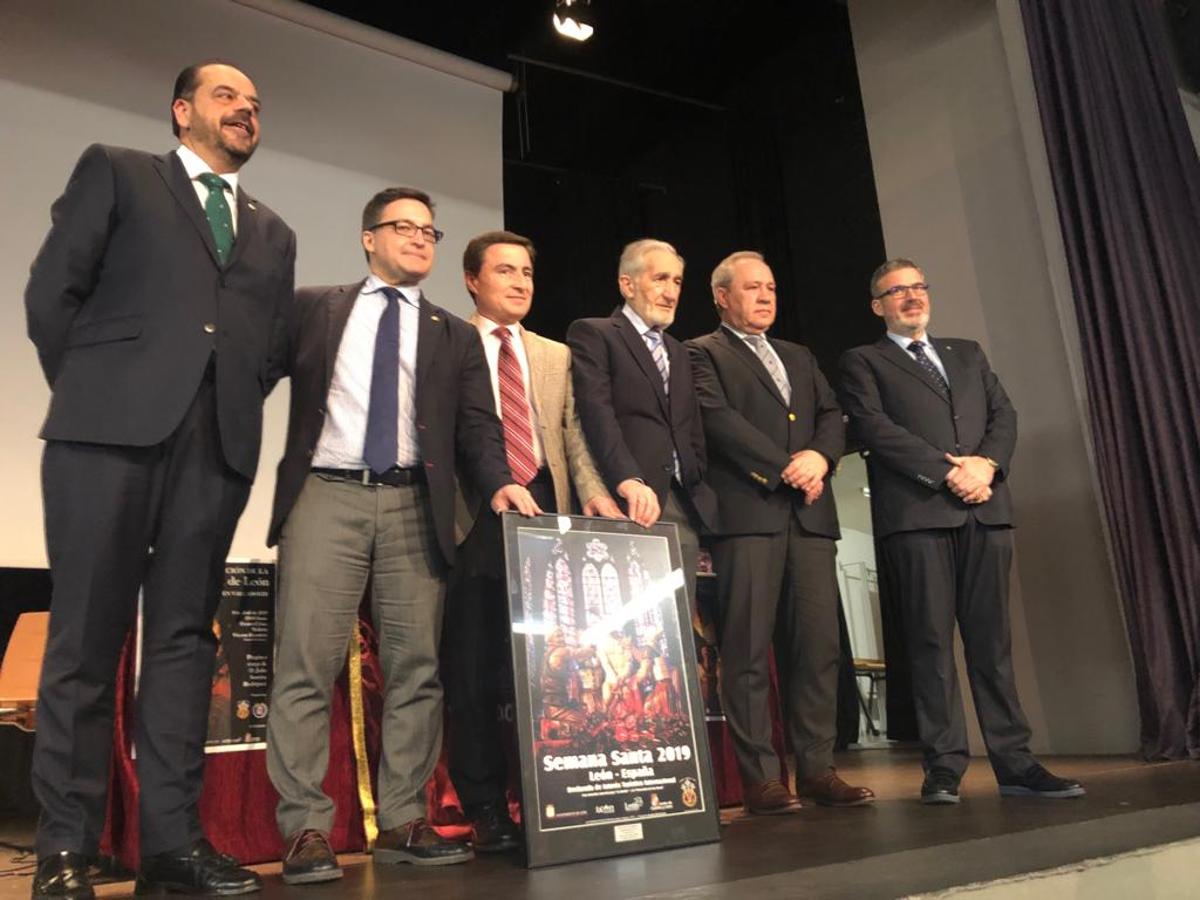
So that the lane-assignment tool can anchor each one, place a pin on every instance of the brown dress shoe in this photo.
(418, 844)
(830, 790)
(770, 798)
(310, 859)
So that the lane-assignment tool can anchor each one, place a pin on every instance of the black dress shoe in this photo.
(493, 830)
(1037, 782)
(64, 875)
(418, 844)
(940, 787)
(196, 869)
(310, 859)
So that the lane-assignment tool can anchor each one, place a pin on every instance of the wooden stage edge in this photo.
(891, 849)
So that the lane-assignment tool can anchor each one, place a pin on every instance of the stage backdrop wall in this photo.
(960, 168)
(339, 120)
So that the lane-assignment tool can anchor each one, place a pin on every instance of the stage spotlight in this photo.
(573, 19)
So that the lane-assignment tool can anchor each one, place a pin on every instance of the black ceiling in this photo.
(695, 49)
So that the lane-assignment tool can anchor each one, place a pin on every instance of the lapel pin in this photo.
(435, 319)
(250, 204)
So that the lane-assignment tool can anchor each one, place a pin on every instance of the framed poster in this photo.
(610, 719)
(244, 626)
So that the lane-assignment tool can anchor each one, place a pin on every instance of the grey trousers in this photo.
(677, 509)
(779, 588)
(340, 536)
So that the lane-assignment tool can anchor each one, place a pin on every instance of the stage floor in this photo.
(893, 848)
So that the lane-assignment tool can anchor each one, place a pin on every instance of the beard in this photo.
(209, 135)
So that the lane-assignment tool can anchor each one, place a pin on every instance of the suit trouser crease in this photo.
(961, 574)
(106, 506)
(779, 590)
(339, 538)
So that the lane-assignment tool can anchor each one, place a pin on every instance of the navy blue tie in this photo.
(917, 349)
(379, 450)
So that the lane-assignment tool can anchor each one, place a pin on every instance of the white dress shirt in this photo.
(195, 167)
(902, 342)
(345, 431)
(491, 349)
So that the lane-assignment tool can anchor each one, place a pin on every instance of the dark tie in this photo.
(216, 210)
(917, 349)
(379, 449)
(514, 412)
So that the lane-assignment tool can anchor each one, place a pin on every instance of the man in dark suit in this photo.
(535, 400)
(156, 304)
(637, 402)
(388, 393)
(775, 435)
(939, 432)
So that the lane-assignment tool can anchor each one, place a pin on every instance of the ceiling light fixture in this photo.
(573, 19)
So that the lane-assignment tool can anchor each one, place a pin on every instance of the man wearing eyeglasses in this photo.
(940, 433)
(388, 393)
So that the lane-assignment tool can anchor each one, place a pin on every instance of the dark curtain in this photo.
(1127, 183)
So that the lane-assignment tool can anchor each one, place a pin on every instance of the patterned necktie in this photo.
(917, 349)
(383, 410)
(759, 344)
(654, 340)
(514, 412)
(216, 210)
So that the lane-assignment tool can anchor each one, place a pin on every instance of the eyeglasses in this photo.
(408, 229)
(901, 289)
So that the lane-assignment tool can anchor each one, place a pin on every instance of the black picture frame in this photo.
(610, 719)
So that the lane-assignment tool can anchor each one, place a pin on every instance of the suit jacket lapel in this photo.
(429, 328)
(641, 353)
(337, 311)
(902, 358)
(247, 220)
(170, 167)
(536, 371)
(956, 372)
(750, 359)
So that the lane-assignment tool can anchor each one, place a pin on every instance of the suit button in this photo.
(956, 417)
(321, 412)
(209, 327)
(310, 453)
(668, 468)
(958, 446)
(791, 417)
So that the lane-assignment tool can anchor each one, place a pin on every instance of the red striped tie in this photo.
(514, 413)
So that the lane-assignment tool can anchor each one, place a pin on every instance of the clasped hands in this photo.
(970, 479)
(806, 473)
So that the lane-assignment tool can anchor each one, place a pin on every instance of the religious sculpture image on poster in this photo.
(610, 718)
(244, 630)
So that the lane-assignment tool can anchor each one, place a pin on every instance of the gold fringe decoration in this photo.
(358, 730)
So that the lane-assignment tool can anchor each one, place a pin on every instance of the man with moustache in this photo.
(534, 398)
(940, 432)
(775, 435)
(637, 402)
(388, 392)
(156, 304)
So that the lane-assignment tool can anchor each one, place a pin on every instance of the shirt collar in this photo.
(411, 295)
(741, 334)
(486, 326)
(902, 341)
(638, 322)
(195, 167)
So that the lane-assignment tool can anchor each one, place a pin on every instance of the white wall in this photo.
(964, 189)
(339, 122)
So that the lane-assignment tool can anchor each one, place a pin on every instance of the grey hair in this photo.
(633, 257)
(891, 266)
(722, 276)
